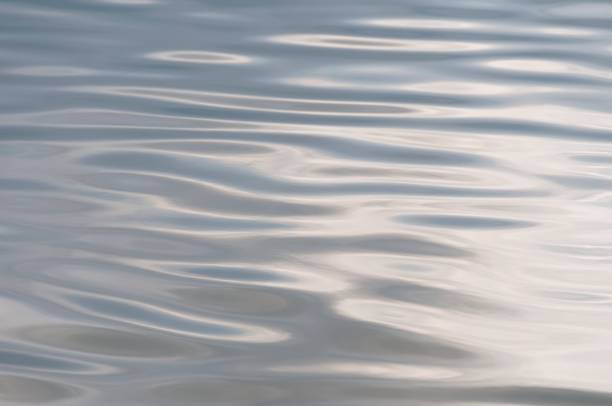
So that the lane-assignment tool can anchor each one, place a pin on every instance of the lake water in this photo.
(306, 203)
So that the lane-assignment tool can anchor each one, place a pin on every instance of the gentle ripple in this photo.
(401, 202)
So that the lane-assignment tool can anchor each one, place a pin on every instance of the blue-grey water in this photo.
(306, 203)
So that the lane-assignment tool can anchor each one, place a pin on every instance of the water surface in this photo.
(347, 203)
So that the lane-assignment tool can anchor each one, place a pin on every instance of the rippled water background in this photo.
(234, 202)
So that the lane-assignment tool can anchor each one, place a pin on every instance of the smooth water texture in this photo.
(306, 203)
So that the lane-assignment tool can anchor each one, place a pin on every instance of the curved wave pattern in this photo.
(248, 203)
